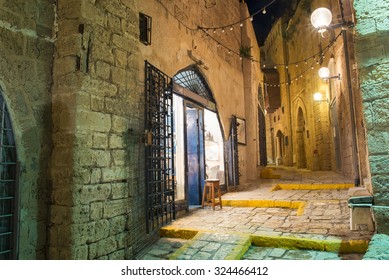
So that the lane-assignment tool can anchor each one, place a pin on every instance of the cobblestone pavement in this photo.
(326, 215)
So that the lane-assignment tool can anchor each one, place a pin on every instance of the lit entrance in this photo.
(199, 144)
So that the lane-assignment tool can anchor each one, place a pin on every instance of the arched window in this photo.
(8, 191)
(190, 79)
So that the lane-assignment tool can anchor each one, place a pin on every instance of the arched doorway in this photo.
(8, 186)
(300, 135)
(198, 152)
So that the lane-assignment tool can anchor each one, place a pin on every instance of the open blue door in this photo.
(195, 154)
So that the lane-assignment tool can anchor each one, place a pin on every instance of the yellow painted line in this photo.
(333, 244)
(311, 187)
(299, 205)
(172, 232)
(328, 245)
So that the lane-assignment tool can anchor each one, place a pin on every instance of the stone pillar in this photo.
(373, 61)
(97, 123)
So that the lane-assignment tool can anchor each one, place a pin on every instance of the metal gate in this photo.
(8, 187)
(160, 176)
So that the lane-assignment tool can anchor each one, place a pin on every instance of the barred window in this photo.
(145, 29)
(8, 193)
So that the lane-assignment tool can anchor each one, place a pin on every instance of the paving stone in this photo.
(277, 253)
(198, 244)
(211, 247)
(202, 256)
(300, 255)
(257, 253)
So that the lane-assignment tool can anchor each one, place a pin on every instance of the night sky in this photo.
(263, 22)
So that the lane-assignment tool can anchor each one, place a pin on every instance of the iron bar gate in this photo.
(8, 187)
(160, 176)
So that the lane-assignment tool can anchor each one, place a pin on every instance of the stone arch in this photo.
(29, 108)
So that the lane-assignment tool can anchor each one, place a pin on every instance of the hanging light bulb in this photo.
(264, 11)
(223, 30)
(251, 18)
(231, 28)
(214, 31)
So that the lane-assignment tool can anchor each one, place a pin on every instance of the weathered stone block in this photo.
(96, 211)
(123, 239)
(80, 214)
(120, 190)
(379, 143)
(91, 193)
(381, 217)
(97, 103)
(119, 124)
(117, 224)
(70, 45)
(13, 42)
(83, 140)
(377, 249)
(122, 42)
(103, 70)
(69, 9)
(118, 255)
(119, 76)
(102, 51)
(116, 142)
(100, 140)
(62, 157)
(106, 246)
(120, 58)
(95, 176)
(60, 214)
(81, 176)
(93, 121)
(95, 158)
(82, 233)
(119, 157)
(114, 23)
(99, 88)
(92, 14)
(116, 208)
(102, 229)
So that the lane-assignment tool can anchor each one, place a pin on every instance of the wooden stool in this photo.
(211, 185)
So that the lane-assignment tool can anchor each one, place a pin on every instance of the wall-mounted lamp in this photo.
(321, 19)
(324, 73)
(318, 97)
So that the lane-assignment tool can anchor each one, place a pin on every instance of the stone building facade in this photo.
(317, 135)
(372, 54)
(72, 76)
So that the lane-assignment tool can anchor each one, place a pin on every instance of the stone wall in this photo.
(177, 43)
(26, 49)
(373, 62)
(97, 209)
(319, 118)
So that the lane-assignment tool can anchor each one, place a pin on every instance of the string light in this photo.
(264, 11)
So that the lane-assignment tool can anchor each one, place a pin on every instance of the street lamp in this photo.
(321, 19)
(324, 73)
